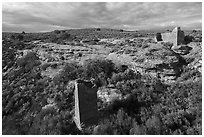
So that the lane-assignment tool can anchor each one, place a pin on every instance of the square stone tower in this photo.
(176, 36)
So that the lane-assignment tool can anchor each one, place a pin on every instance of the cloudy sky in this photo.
(35, 17)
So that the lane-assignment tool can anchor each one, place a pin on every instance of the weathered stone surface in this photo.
(85, 104)
(195, 55)
(160, 61)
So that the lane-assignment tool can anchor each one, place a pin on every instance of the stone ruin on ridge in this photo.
(176, 36)
(86, 110)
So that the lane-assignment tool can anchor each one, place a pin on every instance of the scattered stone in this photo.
(181, 49)
(108, 95)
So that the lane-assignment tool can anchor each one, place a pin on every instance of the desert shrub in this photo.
(188, 39)
(101, 79)
(120, 67)
(95, 66)
(137, 129)
(156, 117)
(20, 106)
(117, 124)
(70, 71)
(189, 74)
(28, 61)
(126, 86)
(153, 125)
(51, 122)
(8, 56)
(123, 76)
(25, 107)
(182, 107)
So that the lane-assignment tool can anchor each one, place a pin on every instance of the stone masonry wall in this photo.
(85, 104)
(176, 36)
(170, 37)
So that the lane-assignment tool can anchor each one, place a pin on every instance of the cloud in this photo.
(35, 17)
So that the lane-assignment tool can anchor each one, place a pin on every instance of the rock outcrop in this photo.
(194, 57)
(160, 61)
(181, 49)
